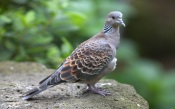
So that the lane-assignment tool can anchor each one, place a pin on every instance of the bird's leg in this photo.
(100, 91)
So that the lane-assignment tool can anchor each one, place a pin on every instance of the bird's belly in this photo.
(112, 64)
(111, 67)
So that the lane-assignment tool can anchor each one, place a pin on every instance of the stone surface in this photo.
(17, 78)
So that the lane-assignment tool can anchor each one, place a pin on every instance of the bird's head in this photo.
(115, 18)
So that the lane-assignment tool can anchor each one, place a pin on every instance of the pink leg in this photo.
(100, 91)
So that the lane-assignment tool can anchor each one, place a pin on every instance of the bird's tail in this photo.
(48, 82)
(32, 92)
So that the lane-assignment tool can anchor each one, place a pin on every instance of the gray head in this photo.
(115, 18)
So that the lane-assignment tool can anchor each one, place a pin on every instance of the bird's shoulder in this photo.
(96, 43)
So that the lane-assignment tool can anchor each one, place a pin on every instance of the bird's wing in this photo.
(87, 61)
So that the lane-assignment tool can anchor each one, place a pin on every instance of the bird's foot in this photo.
(100, 91)
(96, 90)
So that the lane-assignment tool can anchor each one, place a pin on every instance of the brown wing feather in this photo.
(87, 61)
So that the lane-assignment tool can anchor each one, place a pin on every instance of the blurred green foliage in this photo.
(148, 77)
(29, 30)
(47, 31)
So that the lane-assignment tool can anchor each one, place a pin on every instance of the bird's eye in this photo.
(113, 17)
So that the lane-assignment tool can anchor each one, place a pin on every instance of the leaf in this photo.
(76, 18)
(53, 55)
(5, 19)
(66, 48)
(53, 52)
(30, 17)
(39, 39)
(36, 49)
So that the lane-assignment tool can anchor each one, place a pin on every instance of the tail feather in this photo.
(50, 81)
(32, 92)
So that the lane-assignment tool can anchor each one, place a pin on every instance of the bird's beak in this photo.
(120, 21)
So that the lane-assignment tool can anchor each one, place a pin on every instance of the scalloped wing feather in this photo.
(87, 61)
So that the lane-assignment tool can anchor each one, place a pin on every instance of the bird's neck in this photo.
(107, 29)
(112, 34)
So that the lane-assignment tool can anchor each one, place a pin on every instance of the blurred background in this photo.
(47, 31)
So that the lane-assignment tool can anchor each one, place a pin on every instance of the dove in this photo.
(89, 62)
